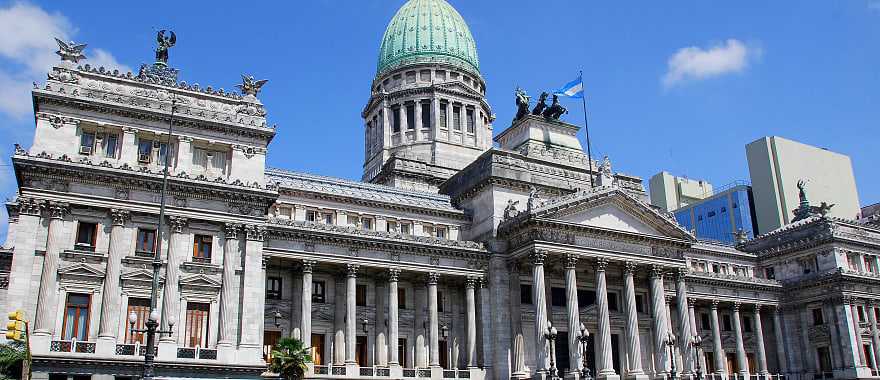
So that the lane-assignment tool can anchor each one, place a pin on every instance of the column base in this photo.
(352, 369)
(608, 376)
(105, 346)
(167, 350)
(436, 372)
(636, 376)
(573, 375)
(40, 343)
(225, 353)
(395, 371)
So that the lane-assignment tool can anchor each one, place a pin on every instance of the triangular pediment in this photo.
(199, 281)
(81, 270)
(458, 86)
(138, 275)
(611, 209)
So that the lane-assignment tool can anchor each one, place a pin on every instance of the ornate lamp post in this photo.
(151, 330)
(583, 340)
(278, 317)
(697, 344)
(670, 341)
(551, 336)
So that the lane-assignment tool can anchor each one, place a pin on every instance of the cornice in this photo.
(733, 281)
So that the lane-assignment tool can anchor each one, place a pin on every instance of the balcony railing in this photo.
(134, 349)
(72, 346)
(196, 353)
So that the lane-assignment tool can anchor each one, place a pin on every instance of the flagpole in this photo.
(587, 131)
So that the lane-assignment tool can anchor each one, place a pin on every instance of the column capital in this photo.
(736, 306)
(692, 302)
(848, 300)
(119, 216)
(255, 232)
(432, 278)
(177, 223)
(668, 299)
(29, 206)
(777, 309)
(470, 283)
(629, 267)
(57, 210)
(308, 266)
(757, 309)
(681, 273)
(571, 261)
(715, 304)
(393, 275)
(352, 270)
(657, 271)
(130, 130)
(538, 256)
(601, 264)
(231, 230)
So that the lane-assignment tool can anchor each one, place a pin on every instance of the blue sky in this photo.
(677, 86)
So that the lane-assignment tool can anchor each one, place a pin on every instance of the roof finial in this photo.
(70, 51)
(249, 86)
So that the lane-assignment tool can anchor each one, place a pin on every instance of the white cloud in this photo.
(27, 52)
(695, 63)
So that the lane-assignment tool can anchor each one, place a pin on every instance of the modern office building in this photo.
(382, 279)
(722, 215)
(776, 165)
(670, 193)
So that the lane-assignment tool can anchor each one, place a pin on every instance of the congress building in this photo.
(472, 248)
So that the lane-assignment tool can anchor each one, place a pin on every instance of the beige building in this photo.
(777, 164)
(671, 193)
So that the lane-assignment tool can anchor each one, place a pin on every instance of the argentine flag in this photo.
(573, 89)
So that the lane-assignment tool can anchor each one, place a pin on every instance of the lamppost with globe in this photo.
(551, 336)
(583, 339)
(152, 323)
(697, 344)
(670, 341)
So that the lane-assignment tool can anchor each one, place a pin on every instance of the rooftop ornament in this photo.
(164, 43)
(70, 51)
(159, 72)
(249, 86)
(805, 210)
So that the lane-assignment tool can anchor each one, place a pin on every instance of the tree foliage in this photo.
(289, 359)
(12, 355)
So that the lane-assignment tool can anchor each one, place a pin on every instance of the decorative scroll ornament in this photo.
(70, 51)
(249, 86)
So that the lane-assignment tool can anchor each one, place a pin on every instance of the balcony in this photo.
(196, 353)
(134, 349)
(338, 371)
(72, 346)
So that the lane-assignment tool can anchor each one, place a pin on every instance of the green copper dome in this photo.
(428, 31)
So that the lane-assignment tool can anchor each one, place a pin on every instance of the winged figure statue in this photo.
(70, 51)
(250, 86)
(165, 42)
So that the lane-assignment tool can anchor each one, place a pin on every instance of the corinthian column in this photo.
(875, 333)
(539, 300)
(759, 342)
(571, 306)
(306, 303)
(350, 313)
(604, 363)
(780, 341)
(228, 297)
(433, 320)
(171, 293)
(634, 346)
(518, 354)
(658, 308)
(684, 339)
(741, 361)
(46, 303)
(110, 301)
(470, 299)
(717, 349)
(393, 334)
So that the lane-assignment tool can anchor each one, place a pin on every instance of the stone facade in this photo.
(383, 280)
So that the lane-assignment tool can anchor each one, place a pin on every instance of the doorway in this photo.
(562, 362)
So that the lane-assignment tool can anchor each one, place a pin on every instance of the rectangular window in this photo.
(401, 352)
(360, 295)
(586, 298)
(391, 227)
(273, 288)
(145, 151)
(405, 228)
(426, 115)
(86, 142)
(146, 242)
(411, 116)
(440, 232)
(747, 323)
(861, 313)
(525, 294)
(367, 223)
(640, 303)
(110, 143)
(318, 349)
(471, 121)
(196, 332)
(86, 234)
(425, 75)
(76, 317)
(726, 325)
(441, 74)
(202, 249)
(328, 218)
(311, 215)
(401, 298)
(705, 322)
(440, 301)
(770, 273)
(612, 301)
(411, 77)
(456, 118)
(319, 289)
(443, 116)
(395, 121)
(141, 308)
(557, 296)
(818, 318)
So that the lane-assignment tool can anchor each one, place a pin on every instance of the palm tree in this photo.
(289, 359)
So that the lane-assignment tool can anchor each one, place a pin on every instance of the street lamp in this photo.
(365, 322)
(551, 336)
(697, 344)
(152, 324)
(670, 341)
(444, 331)
(278, 317)
(583, 340)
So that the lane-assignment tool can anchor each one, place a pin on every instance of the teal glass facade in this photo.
(720, 216)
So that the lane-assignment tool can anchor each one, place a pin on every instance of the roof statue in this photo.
(249, 86)
(70, 51)
(164, 43)
(533, 199)
(606, 176)
(556, 110)
(740, 236)
(805, 210)
(542, 104)
(522, 104)
(510, 211)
